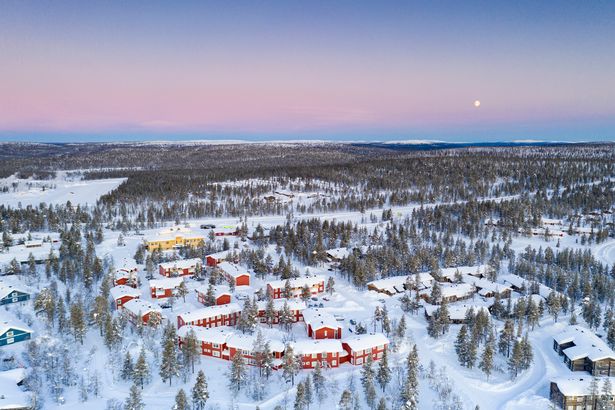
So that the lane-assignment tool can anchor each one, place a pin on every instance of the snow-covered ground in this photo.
(58, 190)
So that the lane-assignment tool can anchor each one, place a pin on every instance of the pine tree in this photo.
(515, 359)
(330, 287)
(140, 372)
(127, 368)
(382, 404)
(345, 402)
(486, 362)
(190, 350)
(270, 312)
(306, 293)
(182, 291)
(506, 338)
(77, 320)
(200, 393)
(169, 366)
(309, 394)
(367, 374)
(300, 403)
(384, 372)
(444, 317)
(134, 401)
(461, 345)
(290, 367)
(472, 351)
(606, 394)
(237, 373)
(409, 394)
(181, 401)
(319, 382)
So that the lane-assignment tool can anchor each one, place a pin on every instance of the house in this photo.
(126, 277)
(164, 288)
(521, 285)
(316, 284)
(174, 238)
(227, 230)
(11, 294)
(244, 344)
(212, 340)
(11, 333)
(399, 284)
(328, 352)
(234, 273)
(450, 274)
(584, 351)
(359, 347)
(573, 393)
(12, 397)
(215, 258)
(122, 294)
(456, 312)
(295, 306)
(211, 316)
(321, 325)
(34, 243)
(184, 267)
(221, 294)
(139, 309)
(486, 288)
(451, 292)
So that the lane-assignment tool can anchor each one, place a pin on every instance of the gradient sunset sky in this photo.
(343, 70)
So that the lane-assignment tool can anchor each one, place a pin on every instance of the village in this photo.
(306, 319)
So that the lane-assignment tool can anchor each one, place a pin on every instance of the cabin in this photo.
(360, 347)
(164, 288)
(582, 350)
(228, 230)
(521, 285)
(12, 396)
(211, 316)
(316, 284)
(451, 292)
(394, 285)
(321, 325)
(488, 289)
(126, 278)
(174, 239)
(11, 333)
(215, 258)
(244, 344)
(221, 294)
(212, 340)
(457, 313)
(234, 273)
(295, 306)
(327, 352)
(10, 294)
(573, 393)
(450, 274)
(184, 267)
(34, 243)
(122, 294)
(146, 312)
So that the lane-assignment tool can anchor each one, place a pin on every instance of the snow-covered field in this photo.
(55, 191)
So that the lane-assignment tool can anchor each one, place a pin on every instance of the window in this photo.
(9, 341)
(215, 345)
(334, 363)
(216, 353)
(360, 361)
(9, 333)
(314, 355)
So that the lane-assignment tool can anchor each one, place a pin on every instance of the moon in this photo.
(477, 103)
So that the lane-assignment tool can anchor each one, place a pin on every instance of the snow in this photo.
(457, 311)
(318, 319)
(396, 284)
(580, 386)
(165, 283)
(11, 396)
(181, 264)
(120, 291)
(298, 283)
(209, 312)
(586, 344)
(232, 270)
(141, 307)
(305, 347)
(366, 341)
(216, 335)
(56, 191)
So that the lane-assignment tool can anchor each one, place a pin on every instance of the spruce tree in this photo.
(134, 400)
(200, 394)
(181, 401)
(169, 366)
(409, 393)
(237, 372)
(140, 372)
(300, 402)
(127, 367)
(383, 376)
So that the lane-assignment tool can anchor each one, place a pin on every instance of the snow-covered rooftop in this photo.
(366, 341)
(457, 311)
(319, 319)
(298, 282)
(309, 346)
(580, 386)
(11, 396)
(586, 344)
(246, 342)
(165, 283)
(181, 264)
(395, 284)
(123, 290)
(278, 304)
(210, 311)
(233, 270)
(140, 306)
(6, 289)
(217, 335)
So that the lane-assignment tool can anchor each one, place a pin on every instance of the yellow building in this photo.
(174, 240)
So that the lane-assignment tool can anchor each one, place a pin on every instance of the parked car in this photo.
(326, 299)
(208, 226)
(315, 299)
(353, 322)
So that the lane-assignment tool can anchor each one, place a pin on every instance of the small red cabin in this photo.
(164, 288)
(321, 325)
(185, 267)
(122, 294)
(360, 347)
(234, 273)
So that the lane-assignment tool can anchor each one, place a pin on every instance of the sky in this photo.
(288, 70)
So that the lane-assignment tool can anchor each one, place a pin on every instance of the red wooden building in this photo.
(244, 344)
(122, 294)
(215, 258)
(212, 340)
(295, 306)
(184, 267)
(321, 325)
(359, 347)
(126, 277)
(329, 353)
(234, 273)
(212, 316)
(316, 284)
(164, 288)
(147, 312)
(221, 294)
